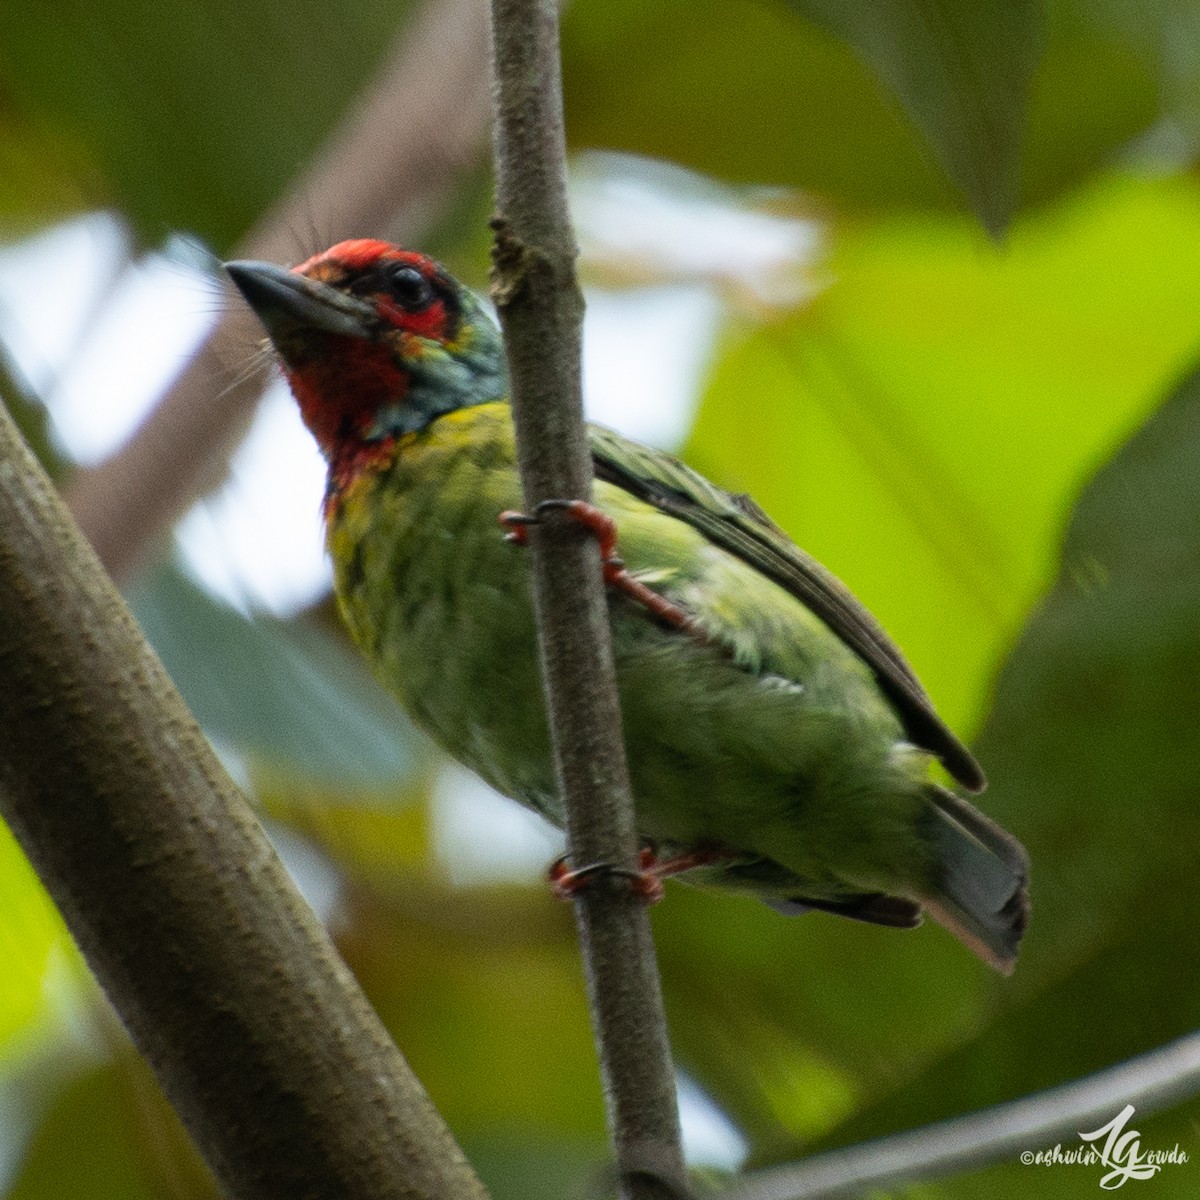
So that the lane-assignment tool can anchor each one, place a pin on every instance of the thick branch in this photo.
(1151, 1081)
(228, 984)
(541, 309)
(417, 127)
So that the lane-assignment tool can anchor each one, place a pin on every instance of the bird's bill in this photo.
(287, 303)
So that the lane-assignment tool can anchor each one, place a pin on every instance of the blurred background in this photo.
(928, 289)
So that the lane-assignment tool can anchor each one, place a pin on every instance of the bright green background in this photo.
(995, 442)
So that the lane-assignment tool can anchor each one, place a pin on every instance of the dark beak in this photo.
(289, 304)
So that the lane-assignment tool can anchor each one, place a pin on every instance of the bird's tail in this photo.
(980, 895)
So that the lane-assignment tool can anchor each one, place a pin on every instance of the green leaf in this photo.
(1165, 35)
(109, 1133)
(793, 1025)
(951, 402)
(540, 1168)
(31, 936)
(750, 95)
(962, 70)
(923, 427)
(288, 697)
(161, 132)
(1092, 751)
(1093, 98)
(40, 170)
(482, 990)
(755, 95)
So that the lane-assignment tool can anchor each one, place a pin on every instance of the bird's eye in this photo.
(410, 288)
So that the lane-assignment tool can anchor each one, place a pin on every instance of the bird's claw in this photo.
(587, 515)
(567, 882)
(604, 528)
(646, 881)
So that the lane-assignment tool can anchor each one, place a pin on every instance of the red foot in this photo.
(615, 575)
(645, 882)
(566, 883)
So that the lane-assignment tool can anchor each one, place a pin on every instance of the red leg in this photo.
(667, 867)
(615, 575)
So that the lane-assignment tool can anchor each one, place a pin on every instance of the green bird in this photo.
(778, 742)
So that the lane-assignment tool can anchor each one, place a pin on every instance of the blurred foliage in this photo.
(757, 95)
(185, 115)
(969, 92)
(278, 693)
(971, 432)
(950, 397)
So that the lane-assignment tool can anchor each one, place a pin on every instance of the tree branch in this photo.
(541, 310)
(402, 145)
(229, 986)
(1151, 1081)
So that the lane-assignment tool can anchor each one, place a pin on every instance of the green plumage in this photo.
(793, 734)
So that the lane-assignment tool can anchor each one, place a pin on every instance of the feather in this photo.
(739, 526)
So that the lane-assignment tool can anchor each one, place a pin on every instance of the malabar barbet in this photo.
(778, 742)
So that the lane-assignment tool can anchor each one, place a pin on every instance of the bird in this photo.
(778, 742)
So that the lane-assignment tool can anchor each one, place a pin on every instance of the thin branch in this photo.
(403, 145)
(226, 981)
(1151, 1081)
(541, 310)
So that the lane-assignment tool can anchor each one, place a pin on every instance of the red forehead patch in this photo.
(357, 253)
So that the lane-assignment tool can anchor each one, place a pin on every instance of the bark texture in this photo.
(541, 310)
(228, 984)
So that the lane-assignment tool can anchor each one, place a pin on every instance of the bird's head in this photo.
(375, 341)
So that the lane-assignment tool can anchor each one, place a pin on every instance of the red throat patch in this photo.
(341, 389)
(342, 383)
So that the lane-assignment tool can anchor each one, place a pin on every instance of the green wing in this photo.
(738, 525)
